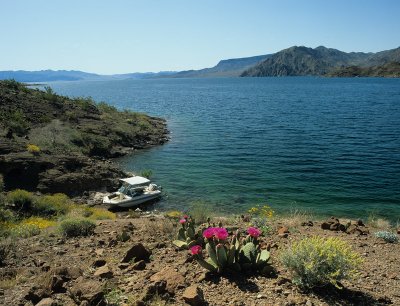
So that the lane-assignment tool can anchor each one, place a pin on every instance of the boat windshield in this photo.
(124, 189)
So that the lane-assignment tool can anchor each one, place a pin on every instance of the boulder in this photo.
(89, 292)
(140, 265)
(193, 295)
(137, 252)
(104, 272)
(155, 289)
(283, 230)
(47, 302)
(171, 277)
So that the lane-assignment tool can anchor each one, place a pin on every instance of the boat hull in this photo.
(134, 201)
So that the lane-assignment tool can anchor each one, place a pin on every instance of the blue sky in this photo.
(123, 36)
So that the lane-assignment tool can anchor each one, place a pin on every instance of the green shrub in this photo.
(318, 261)
(387, 236)
(77, 227)
(5, 214)
(21, 199)
(16, 122)
(147, 173)
(51, 205)
(23, 230)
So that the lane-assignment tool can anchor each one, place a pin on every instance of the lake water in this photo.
(330, 146)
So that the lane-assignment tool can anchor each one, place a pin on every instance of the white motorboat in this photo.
(135, 190)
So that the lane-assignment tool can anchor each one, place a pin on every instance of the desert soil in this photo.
(96, 270)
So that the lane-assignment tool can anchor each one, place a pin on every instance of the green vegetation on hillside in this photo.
(55, 144)
(390, 70)
(56, 123)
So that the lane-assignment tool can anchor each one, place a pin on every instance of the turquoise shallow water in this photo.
(331, 146)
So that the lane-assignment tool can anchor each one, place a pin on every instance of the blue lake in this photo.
(326, 145)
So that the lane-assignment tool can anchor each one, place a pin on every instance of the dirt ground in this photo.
(98, 270)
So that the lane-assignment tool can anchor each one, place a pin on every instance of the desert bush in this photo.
(1, 183)
(55, 136)
(173, 214)
(375, 221)
(147, 173)
(5, 214)
(106, 108)
(21, 199)
(51, 205)
(93, 145)
(318, 261)
(15, 121)
(23, 230)
(387, 236)
(261, 216)
(38, 222)
(34, 149)
(77, 227)
(200, 211)
(100, 214)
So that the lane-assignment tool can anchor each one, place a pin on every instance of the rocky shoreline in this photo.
(50, 143)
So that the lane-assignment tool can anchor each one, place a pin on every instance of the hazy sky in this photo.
(123, 36)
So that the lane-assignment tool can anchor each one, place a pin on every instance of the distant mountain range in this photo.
(74, 75)
(302, 61)
(294, 61)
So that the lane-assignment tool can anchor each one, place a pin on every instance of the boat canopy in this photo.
(136, 180)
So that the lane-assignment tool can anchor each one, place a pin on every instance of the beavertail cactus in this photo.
(234, 254)
(187, 237)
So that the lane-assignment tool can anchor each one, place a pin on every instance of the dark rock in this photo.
(193, 295)
(325, 225)
(137, 252)
(360, 222)
(308, 223)
(158, 288)
(104, 272)
(99, 263)
(140, 265)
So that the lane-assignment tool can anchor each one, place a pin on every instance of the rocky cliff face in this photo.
(55, 144)
(302, 61)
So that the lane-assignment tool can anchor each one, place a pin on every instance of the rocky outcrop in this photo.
(69, 174)
(352, 227)
(50, 143)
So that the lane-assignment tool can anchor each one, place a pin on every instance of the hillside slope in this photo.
(303, 61)
(225, 68)
(71, 138)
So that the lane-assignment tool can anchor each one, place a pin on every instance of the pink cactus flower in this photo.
(182, 221)
(195, 250)
(209, 232)
(185, 217)
(221, 233)
(253, 232)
